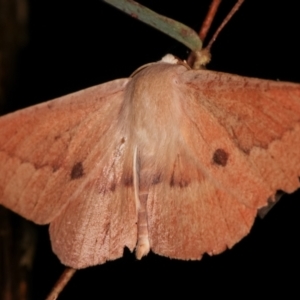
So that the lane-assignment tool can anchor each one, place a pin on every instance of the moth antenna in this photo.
(61, 283)
(143, 244)
(209, 19)
(225, 21)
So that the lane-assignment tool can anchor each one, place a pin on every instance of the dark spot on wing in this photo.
(55, 168)
(77, 171)
(181, 182)
(178, 177)
(156, 179)
(220, 157)
(122, 140)
(113, 186)
(128, 180)
(172, 181)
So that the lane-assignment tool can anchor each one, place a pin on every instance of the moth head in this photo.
(168, 58)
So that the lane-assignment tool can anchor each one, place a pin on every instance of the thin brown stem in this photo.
(61, 283)
(209, 19)
(228, 17)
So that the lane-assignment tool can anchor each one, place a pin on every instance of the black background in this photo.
(77, 44)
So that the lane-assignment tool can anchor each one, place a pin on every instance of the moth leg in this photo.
(143, 244)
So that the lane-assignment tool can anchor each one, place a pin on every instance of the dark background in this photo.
(77, 44)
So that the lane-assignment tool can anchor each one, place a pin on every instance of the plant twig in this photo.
(225, 21)
(209, 19)
(61, 283)
(199, 59)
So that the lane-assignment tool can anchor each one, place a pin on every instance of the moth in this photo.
(78, 172)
